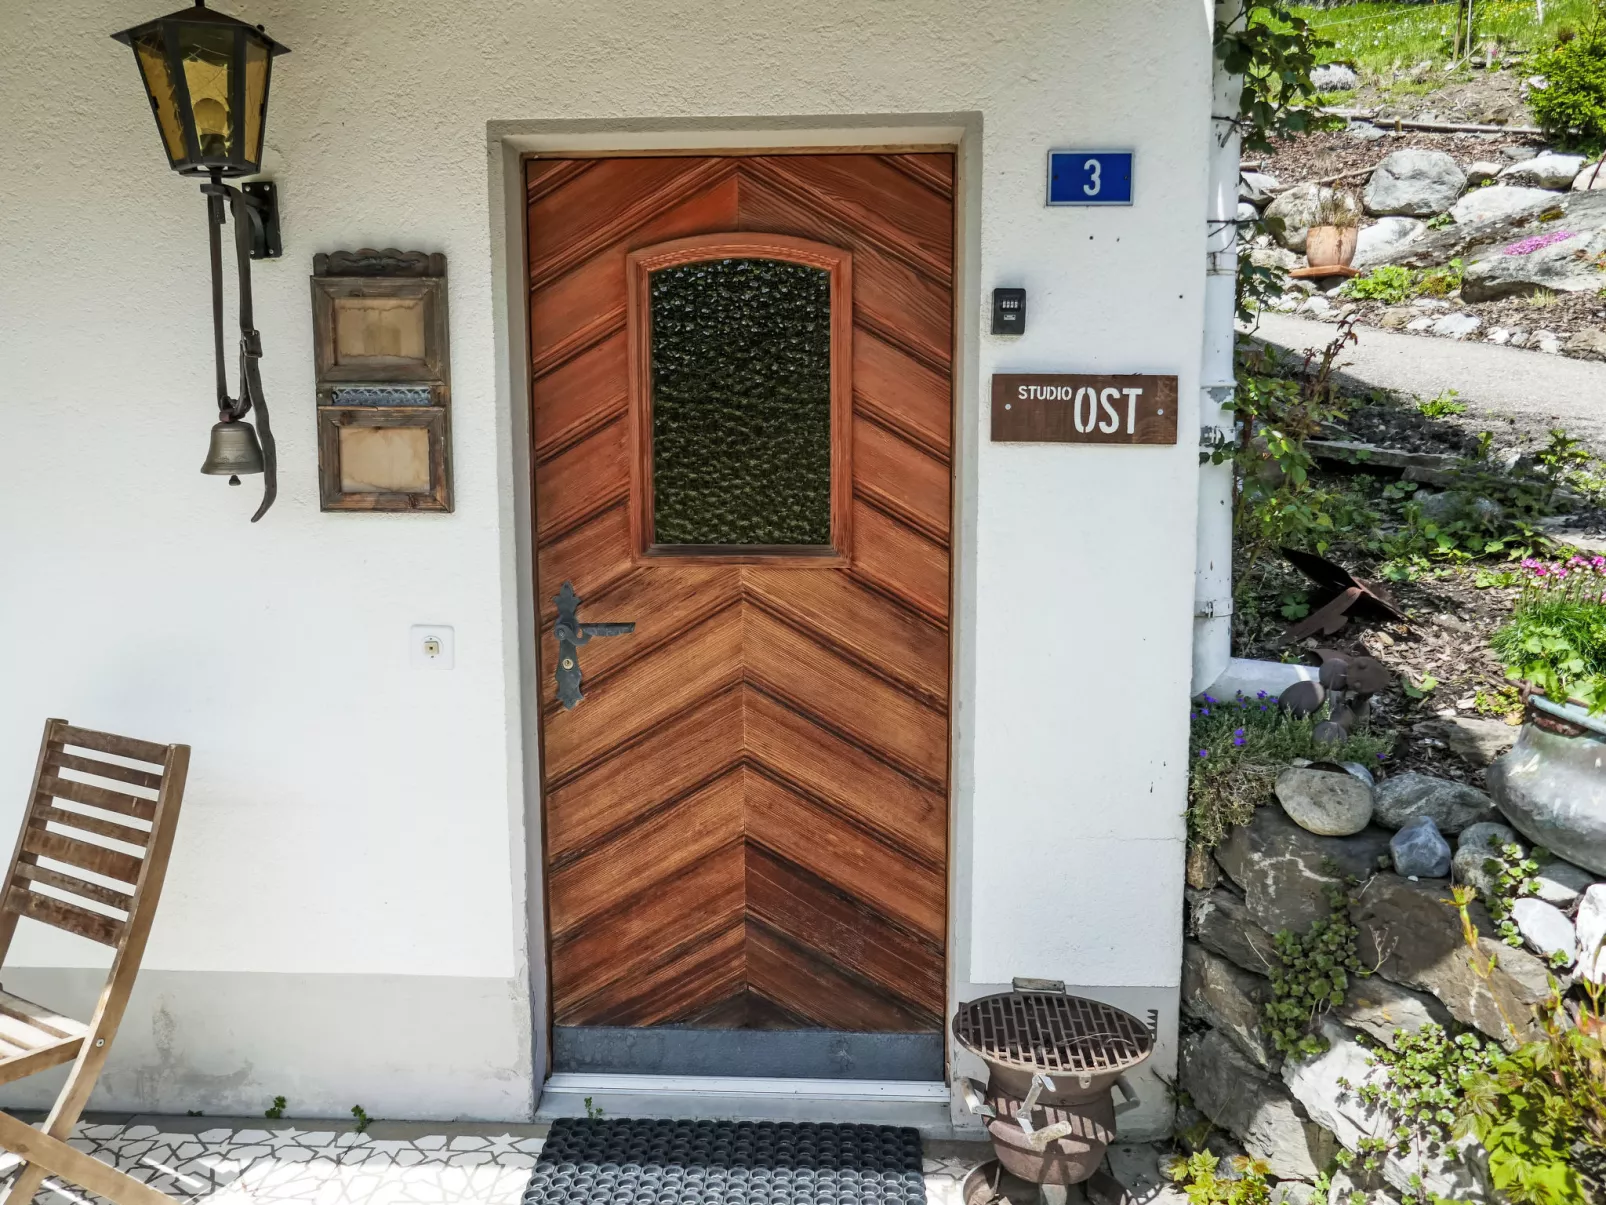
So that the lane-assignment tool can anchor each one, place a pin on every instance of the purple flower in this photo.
(1204, 711)
(1207, 698)
(1260, 694)
(1539, 241)
(1379, 757)
(1204, 753)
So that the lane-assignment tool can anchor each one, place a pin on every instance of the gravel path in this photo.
(1530, 391)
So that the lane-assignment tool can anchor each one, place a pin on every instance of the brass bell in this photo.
(234, 450)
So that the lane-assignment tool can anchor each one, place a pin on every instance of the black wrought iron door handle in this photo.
(571, 634)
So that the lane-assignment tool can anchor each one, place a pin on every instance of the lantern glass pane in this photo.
(207, 55)
(153, 66)
(256, 92)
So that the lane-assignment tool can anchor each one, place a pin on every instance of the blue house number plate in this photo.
(1090, 177)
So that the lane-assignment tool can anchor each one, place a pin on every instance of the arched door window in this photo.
(741, 399)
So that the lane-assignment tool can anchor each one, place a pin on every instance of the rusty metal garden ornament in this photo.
(206, 78)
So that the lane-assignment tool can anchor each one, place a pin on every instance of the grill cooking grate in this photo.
(1051, 1032)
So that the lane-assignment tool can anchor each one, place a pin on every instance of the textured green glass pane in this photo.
(741, 403)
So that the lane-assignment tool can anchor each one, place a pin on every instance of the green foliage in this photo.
(1442, 406)
(1388, 283)
(1395, 284)
(363, 1121)
(1424, 1083)
(1571, 108)
(1238, 748)
(1311, 975)
(275, 1111)
(1199, 1175)
(1556, 637)
(1511, 874)
(594, 1112)
(1274, 52)
(1540, 1113)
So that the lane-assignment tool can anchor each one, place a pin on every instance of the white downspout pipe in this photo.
(1212, 593)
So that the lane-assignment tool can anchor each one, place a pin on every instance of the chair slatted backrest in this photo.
(93, 848)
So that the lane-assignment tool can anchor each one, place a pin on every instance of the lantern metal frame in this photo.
(195, 161)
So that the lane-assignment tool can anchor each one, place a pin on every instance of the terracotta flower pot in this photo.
(1331, 246)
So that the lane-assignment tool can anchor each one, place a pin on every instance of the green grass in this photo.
(1382, 38)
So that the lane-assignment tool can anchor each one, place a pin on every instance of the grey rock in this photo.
(1256, 188)
(1457, 326)
(1288, 875)
(1591, 929)
(1501, 201)
(1562, 883)
(1471, 738)
(1365, 131)
(1335, 77)
(1451, 805)
(1482, 172)
(1516, 154)
(1220, 922)
(1315, 1084)
(1229, 1000)
(1553, 791)
(1586, 345)
(1415, 183)
(1302, 207)
(1325, 803)
(1347, 1187)
(1412, 934)
(1547, 170)
(1382, 1009)
(1275, 257)
(1375, 243)
(1569, 265)
(1396, 317)
(1247, 212)
(1546, 929)
(1137, 1165)
(1255, 1108)
(1317, 307)
(1419, 851)
(1473, 852)
(1294, 1192)
(1593, 176)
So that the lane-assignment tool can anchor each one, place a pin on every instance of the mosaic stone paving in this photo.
(395, 1164)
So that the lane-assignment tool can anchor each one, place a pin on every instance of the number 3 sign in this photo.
(1090, 177)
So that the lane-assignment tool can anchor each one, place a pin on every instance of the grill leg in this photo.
(1053, 1194)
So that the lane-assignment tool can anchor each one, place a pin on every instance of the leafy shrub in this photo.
(1556, 637)
(1202, 1177)
(1388, 283)
(1571, 108)
(1311, 976)
(1424, 1085)
(1239, 747)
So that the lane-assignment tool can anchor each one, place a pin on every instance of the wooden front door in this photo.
(741, 422)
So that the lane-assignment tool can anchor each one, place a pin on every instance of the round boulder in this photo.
(1415, 183)
(1546, 170)
(1377, 242)
(1485, 204)
(1325, 802)
(1304, 206)
(1419, 851)
(1451, 805)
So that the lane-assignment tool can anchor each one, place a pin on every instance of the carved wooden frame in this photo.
(639, 267)
(436, 422)
(389, 273)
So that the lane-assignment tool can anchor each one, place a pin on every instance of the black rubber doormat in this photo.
(622, 1162)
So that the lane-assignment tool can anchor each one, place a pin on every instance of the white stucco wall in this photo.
(350, 866)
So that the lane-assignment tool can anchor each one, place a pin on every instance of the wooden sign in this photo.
(1073, 408)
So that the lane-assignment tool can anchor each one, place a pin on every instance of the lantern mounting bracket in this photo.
(263, 196)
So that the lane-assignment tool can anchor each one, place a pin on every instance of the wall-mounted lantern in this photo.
(206, 78)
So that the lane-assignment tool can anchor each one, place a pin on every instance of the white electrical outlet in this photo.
(433, 646)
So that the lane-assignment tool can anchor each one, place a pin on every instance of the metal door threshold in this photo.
(919, 1103)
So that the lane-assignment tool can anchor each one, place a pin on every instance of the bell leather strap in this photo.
(251, 395)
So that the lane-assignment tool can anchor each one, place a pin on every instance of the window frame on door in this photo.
(640, 265)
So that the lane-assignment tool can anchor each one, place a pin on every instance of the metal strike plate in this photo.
(570, 634)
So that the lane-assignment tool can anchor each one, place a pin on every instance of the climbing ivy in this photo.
(1511, 874)
(1311, 975)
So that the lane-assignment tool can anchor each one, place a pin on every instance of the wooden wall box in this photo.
(383, 378)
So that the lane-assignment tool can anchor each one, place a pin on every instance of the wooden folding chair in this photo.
(90, 860)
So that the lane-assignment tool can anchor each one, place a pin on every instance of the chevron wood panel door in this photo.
(746, 816)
